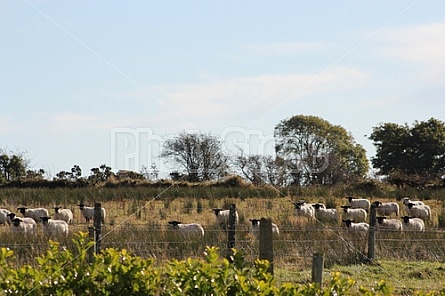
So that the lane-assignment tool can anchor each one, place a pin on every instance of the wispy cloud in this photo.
(420, 45)
(243, 95)
(284, 48)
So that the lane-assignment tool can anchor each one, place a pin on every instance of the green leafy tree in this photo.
(199, 155)
(410, 155)
(13, 167)
(100, 174)
(317, 152)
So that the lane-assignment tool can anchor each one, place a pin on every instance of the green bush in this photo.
(116, 272)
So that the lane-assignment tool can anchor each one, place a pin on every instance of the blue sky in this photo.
(104, 82)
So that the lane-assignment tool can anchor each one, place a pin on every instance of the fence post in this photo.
(266, 242)
(231, 231)
(91, 250)
(317, 268)
(97, 226)
(371, 233)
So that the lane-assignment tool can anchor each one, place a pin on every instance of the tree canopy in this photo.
(410, 155)
(317, 152)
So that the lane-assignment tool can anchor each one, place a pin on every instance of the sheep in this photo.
(412, 224)
(303, 209)
(357, 215)
(222, 216)
(4, 216)
(388, 224)
(63, 214)
(359, 203)
(356, 227)
(12, 216)
(386, 208)
(406, 201)
(33, 213)
(88, 213)
(23, 225)
(419, 211)
(54, 227)
(325, 214)
(189, 230)
(255, 227)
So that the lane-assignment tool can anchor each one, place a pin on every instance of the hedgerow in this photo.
(61, 271)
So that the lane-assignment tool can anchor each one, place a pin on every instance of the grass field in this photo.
(137, 220)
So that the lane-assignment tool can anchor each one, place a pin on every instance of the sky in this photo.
(107, 82)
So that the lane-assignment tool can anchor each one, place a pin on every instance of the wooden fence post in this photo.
(371, 233)
(231, 231)
(92, 250)
(97, 226)
(266, 242)
(317, 268)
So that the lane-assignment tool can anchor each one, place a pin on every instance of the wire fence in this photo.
(293, 248)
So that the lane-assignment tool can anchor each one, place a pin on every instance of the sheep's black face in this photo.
(16, 222)
(255, 222)
(44, 220)
(297, 206)
(174, 223)
(380, 220)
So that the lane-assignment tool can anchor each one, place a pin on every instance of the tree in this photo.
(12, 166)
(100, 174)
(317, 152)
(260, 169)
(410, 155)
(200, 155)
(75, 175)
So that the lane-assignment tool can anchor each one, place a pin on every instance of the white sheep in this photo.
(412, 224)
(54, 227)
(407, 201)
(222, 216)
(255, 227)
(323, 214)
(23, 225)
(188, 230)
(303, 209)
(419, 211)
(387, 208)
(356, 215)
(33, 213)
(4, 216)
(88, 213)
(388, 224)
(356, 227)
(63, 214)
(359, 203)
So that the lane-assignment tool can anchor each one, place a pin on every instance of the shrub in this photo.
(116, 272)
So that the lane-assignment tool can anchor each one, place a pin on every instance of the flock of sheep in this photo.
(221, 219)
(354, 215)
(58, 224)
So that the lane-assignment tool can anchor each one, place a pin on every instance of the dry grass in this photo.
(138, 222)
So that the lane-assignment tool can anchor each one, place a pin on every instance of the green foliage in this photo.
(412, 156)
(317, 152)
(116, 272)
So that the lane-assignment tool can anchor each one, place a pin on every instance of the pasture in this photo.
(137, 220)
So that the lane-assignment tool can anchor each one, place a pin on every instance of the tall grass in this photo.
(137, 220)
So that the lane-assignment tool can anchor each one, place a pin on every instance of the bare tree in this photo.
(200, 155)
